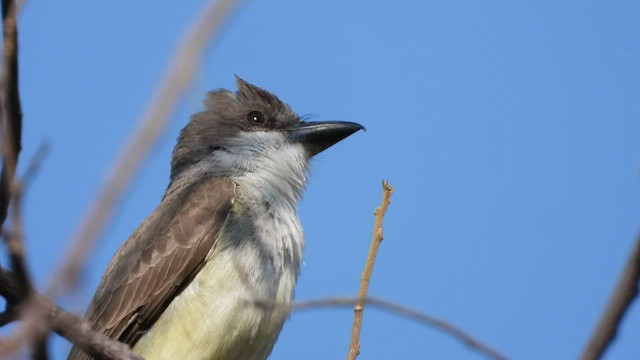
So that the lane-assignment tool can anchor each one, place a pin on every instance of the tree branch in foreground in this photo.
(422, 318)
(10, 189)
(354, 346)
(621, 299)
(11, 113)
(33, 329)
(73, 328)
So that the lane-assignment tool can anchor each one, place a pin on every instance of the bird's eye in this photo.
(256, 117)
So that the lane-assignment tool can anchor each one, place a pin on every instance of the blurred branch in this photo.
(14, 241)
(14, 238)
(176, 80)
(621, 299)
(11, 115)
(74, 328)
(18, 289)
(11, 111)
(420, 317)
(354, 346)
(33, 329)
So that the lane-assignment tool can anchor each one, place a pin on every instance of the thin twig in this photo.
(14, 238)
(177, 79)
(354, 346)
(619, 303)
(35, 163)
(73, 328)
(15, 243)
(420, 317)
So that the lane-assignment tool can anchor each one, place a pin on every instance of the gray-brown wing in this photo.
(158, 260)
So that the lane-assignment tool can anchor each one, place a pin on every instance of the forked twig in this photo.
(19, 305)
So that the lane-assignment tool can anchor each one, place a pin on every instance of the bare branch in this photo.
(177, 79)
(14, 238)
(621, 299)
(32, 329)
(80, 333)
(11, 111)
(15, 244)
(74, 328)
(354, 346)
(10, 289)
(420, 317)
(35, 330)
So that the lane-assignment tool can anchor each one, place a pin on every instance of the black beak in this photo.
(318, 136)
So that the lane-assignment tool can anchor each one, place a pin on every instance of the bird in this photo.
(211, 272)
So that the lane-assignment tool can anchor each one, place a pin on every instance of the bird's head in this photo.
(251, 131)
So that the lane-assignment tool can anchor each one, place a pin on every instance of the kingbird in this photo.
(209, 274)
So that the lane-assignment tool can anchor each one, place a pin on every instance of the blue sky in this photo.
(508, 128)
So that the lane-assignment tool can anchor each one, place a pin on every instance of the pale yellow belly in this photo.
(217, 317)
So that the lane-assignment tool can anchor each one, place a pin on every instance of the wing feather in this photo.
(158, 260)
